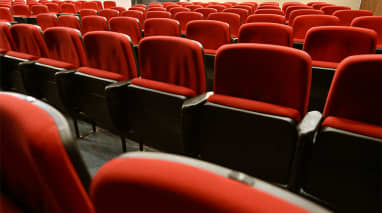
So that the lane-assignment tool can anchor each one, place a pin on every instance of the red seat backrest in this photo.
(127, 25)
(266, 33)
(28, 39)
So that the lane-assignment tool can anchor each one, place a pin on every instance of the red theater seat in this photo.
(68, 8)
(157, 9)
(161, 26)
(219, 8)
(141, 9)
(46, 20)
(269, 11)
(109, 4)
(110, 59)
(242, 12)
(172, 72)
(120, 9)
(127, 25)
(194, 7)
(266, 33)
(254, 109)
(6, 40)
(88, 12)
(346, 152)
(21, 10)
(94, 23)
(53, 8)
(91, 5)
(108, 13)
(328, 46)
(45, 152)
(296, 13)
(5, 14)
(158, 14)
(245, 7)
(230, 18)
(69, 21)
(176, 10)
(272, 18)
(205, 11)
(185, 17)
(37, 9)
(135, 14)
(370, 22)
(302, 24)
(293, 8)
(174, 183)
(329, 10)
(347, 16)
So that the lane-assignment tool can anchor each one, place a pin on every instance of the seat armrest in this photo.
(194, 102)
(309, 123)
(64, 84)
(118, 85)
(234, 40)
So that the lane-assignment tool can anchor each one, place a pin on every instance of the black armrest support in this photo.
(194, 102)
(234, 40)
(65, 87)
(306, 131)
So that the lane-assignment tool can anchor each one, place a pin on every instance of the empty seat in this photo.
(5, 14)
(170, 75)
(205, 11)
(296, 13)
(143, 10)
(88, 12)
(219, 8)
(273, 7)
(185, 17)
(120, 9)
(110, 59)
(158, 14)
(127, 25)
(370, 22)
(293, 8)
(65, 53)
(135, 14)
(109, 4)
(302, 24)
(253, 113)
(176, 10)
(266, 33)
(161, 26)
(91, 5)
(53, 7)
(108, 13)
(319, 6)
(29, 45)
(329, 10)
(347, 16)
(346, 152)
(69, 21)
(193, 186)
(99, 4)
(21, 10)
(6, 40)
(45, 152)
(269, 11)
(273, 18)
(230, 18)
(243, 13)
(194, 7)
(291, 4)
(157, 9)
(93, 23)
(328, 46)
(46, 20)
(37, 9)
(68, 8)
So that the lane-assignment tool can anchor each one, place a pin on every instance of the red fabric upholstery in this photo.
(37, 9)
(157, 9)
(334, 43)
(185, 17)
(273, 18)
(120, 9)
(274, 7)
(68, 8)
(370, 22)
(279, 75)
(7, 205)
(138, 9)
(6, 40)
(293, 8)
(176, 187)
(127, 25)
(245, 7)
(5, 14)
(219, 8)
(169, 7)
(319, 6)
(45, 179)
(165, 87)
(205, 11)
(176, 10)
(53, 7)
(108, 13)
(99, 4)
(135, 14)
(255, 106)
(266, 33)
(158, 14)
(28, 39)
(69, 21)
(211, 34)
(65, 45)
(291, 4)
(110, 51)
(94, 23)
(194, 7)
(243, 13)
(46, 20)
(230, 18)
(22, 55)
(102, 73)
(302, 24)
(161, 26)
(173, 60)
(21, 10)
(355, 92)
(269, 11)
(109, 4)
(56, 63)
(296, 13)
(329, 10)
(88, 12)
(91, 5)
(347, 16)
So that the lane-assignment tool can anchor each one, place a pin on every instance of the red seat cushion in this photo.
(102, 73)
(256, 106)
(353, 126)
(326, 64)
(165, 87)
(55, 63)
(22, 55)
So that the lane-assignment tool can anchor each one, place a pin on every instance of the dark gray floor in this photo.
(99, 147)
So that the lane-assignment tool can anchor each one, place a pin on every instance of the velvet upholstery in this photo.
(272, 18)
(93, 23)
(205, 11)
(243, 13)
(158, 14)
(370, 22)
(46, 20)
(266, 33)
(230, 18)
(21, 10)
(6, 40)
(88, 12)
(185, 17)
(69, 21)
(347, 16)
(161, 26)
(68, 8)
(127, 25)
(296, 13)
(28, 39)
(108, 13)
(135, 14)
(329, 10)
(302, 24)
